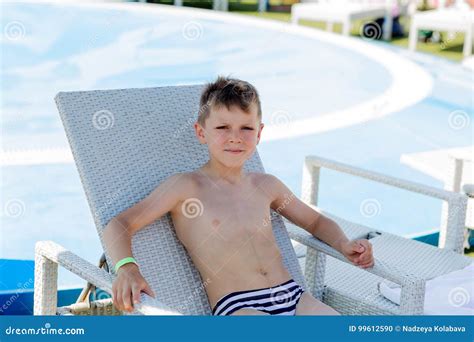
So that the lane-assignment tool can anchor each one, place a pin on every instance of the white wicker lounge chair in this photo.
(127, 141)
(124, 143)
(344, 12)
(459, 20)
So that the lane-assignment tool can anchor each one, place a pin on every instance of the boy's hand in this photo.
(127, 287)
(359, 252)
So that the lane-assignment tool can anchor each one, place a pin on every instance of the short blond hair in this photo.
(226, 91)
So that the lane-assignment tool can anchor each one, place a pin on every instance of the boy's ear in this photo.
(199, 130)
(260, 132)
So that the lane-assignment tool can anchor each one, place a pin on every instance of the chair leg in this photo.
(46, 286)
(294, 19)
(387, 28)
(346, 28)
(413, 37)
(329, 26)
(467, 48)
(315, 266)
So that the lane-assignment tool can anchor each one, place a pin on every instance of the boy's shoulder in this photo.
(192, 180)
(186, 178)
(180, 183)
(261, 179)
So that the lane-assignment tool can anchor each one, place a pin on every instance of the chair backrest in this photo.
(127, 141)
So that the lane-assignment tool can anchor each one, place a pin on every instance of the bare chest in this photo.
(224, 217)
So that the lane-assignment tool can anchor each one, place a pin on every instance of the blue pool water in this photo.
(68, 47)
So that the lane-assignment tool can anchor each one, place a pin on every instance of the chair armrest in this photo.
(412, 286)
(385, 179)
(48, 255)
(451, 237)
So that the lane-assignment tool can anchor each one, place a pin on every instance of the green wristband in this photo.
(124, 261)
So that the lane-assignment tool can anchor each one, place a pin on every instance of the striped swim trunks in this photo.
(276, 300)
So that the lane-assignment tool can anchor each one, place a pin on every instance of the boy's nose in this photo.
(235, 136)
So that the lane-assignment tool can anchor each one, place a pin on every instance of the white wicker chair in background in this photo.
(415, 262)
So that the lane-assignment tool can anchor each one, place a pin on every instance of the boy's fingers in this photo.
(356, 247)
(364, 257)
(368, 261)
(365, 243)
(136, 295)
(368, 252)
(355, 260)
(367, 265)
(360, 258)
(147, 289)
(126, 297)
(118, 301)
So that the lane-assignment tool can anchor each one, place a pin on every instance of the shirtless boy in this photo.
(231, 242)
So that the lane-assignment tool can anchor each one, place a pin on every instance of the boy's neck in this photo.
(218, 171)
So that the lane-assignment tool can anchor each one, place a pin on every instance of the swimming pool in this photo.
(358, 102)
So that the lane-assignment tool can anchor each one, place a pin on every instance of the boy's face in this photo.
(230, 134)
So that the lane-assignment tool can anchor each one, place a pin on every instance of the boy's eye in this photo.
(224, 127)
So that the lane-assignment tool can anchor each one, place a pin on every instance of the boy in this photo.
(221, 215)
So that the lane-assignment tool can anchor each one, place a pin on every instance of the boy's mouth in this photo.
(234, 151)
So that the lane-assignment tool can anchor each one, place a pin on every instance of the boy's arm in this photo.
(119, 231)
(287, 204)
